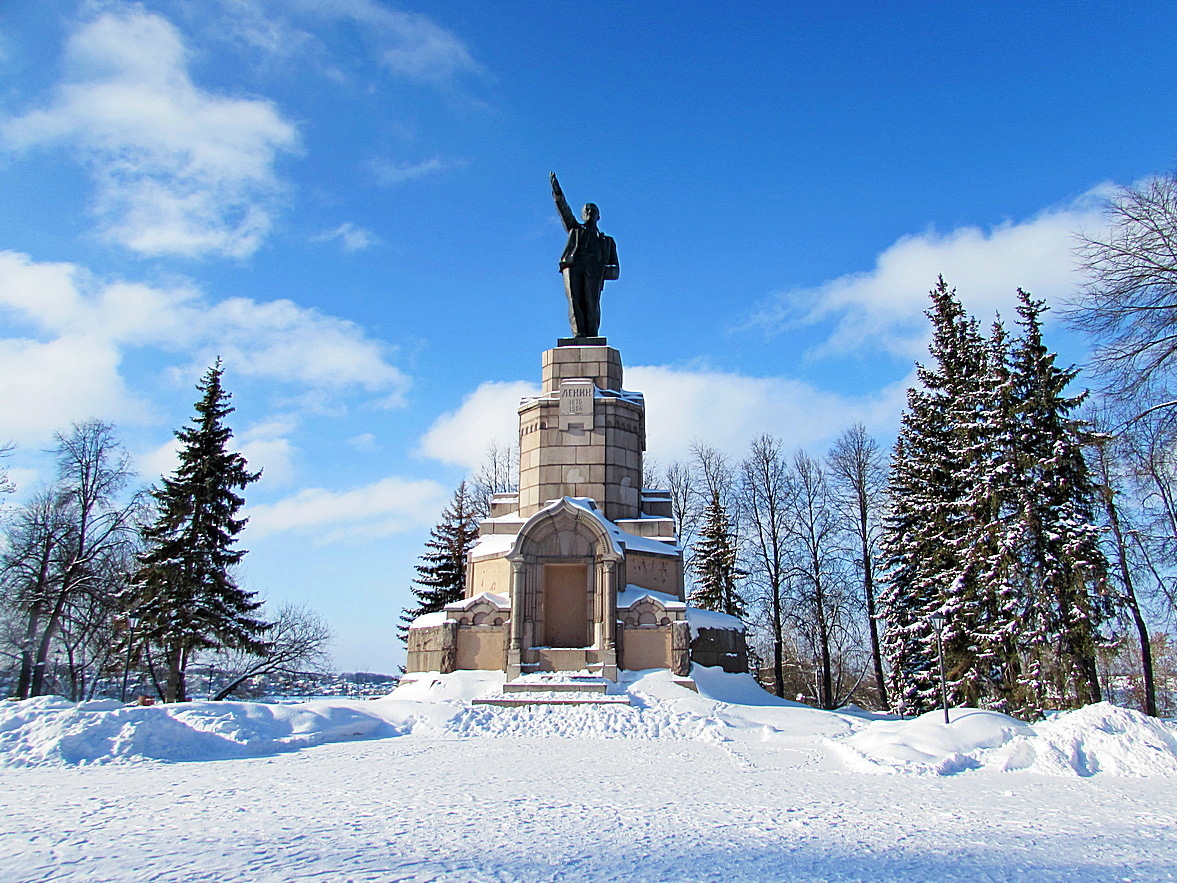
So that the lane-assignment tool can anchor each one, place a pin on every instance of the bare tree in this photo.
(300, 642)
(1105, 468)
(684, 501)
(858, 476)
(714, 474)
(7, 486)
(821, 607)
(498, 474)
(765, 496)
(67, 558)
(1129, 305)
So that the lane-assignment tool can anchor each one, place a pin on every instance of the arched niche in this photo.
(566, 570)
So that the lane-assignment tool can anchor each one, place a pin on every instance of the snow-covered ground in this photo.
(727, 784)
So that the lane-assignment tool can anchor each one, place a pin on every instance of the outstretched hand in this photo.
(556, 186)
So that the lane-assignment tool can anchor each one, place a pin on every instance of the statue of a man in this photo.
(589, 258)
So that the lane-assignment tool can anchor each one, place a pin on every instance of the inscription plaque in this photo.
(577, 401)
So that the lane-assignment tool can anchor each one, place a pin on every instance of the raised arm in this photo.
(566, 215)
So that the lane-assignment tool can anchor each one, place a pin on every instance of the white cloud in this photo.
(722, 409)
(884, 307)
(163, 460)
(405, 44)
(384, 507)
(488, 414)
(178, 170)
(24, 479)
(67, 366)
(283, 340)
(267, 446)
(48, 385)
(727, 411)
(392, 173)
(365, 441)
(409, 44)
(351, 237)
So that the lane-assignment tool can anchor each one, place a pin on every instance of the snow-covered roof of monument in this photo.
(492, 545)
(632, 594)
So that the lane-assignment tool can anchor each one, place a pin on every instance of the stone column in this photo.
(680, 648)
(518, 615)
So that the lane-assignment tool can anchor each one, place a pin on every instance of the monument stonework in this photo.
(580, 570)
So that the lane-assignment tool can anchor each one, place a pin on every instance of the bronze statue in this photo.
(589, 258)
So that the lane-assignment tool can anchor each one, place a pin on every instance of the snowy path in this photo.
(565, 809)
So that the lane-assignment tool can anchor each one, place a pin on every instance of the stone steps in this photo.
(521, 699)
(557, 684)
(556, 688)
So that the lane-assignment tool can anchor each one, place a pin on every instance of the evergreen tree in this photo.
(923, 534)
(441, 575)
(716, 563)
(991, 525)
(984, 607)
(186, 598)
(1067, 598)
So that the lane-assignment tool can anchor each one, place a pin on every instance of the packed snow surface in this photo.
(728, 783)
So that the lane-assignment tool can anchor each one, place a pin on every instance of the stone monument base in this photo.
(581, 341)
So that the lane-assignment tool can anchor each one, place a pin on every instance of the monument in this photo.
(580, 570)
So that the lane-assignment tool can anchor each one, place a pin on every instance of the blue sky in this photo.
(348, 201)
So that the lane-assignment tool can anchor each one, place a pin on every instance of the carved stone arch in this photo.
(565, 529)
(566, 571)
(647, 612)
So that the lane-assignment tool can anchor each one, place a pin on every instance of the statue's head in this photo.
(590, 212)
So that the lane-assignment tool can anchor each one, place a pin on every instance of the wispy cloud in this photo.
(74, 330)
(378, 509)
(390, 174)
(178, 170)
(488, 414)
(351, 237)
(409, 44)
(883, 308)
(406, 45)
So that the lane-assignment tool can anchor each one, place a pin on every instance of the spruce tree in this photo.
(1067, 596)
(186, 598)
(985, 607)
(923, 534)
(991, 525)
(716, 563)
(441, 575)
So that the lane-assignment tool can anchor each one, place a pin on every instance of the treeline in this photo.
(1004, 527)
(110, 591)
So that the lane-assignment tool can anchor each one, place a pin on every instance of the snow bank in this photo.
(728, 709)
(52, 731)
(1097, 739)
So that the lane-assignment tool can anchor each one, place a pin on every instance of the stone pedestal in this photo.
(583, 436)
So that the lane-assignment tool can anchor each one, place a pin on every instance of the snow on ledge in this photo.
(633, 594)
(712, 619)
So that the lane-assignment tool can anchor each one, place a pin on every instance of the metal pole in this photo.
(943, 680)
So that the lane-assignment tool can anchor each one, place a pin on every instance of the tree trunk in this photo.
(42, 658)
(823, 632)
(1146, 663)
(778, 662)
(176, 689)
(24, 684)
(868, 591)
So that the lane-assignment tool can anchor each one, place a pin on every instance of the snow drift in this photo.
(728, 709)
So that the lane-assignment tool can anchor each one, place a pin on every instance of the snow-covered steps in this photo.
(557, 682)
(557, 688)
(518, 699)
